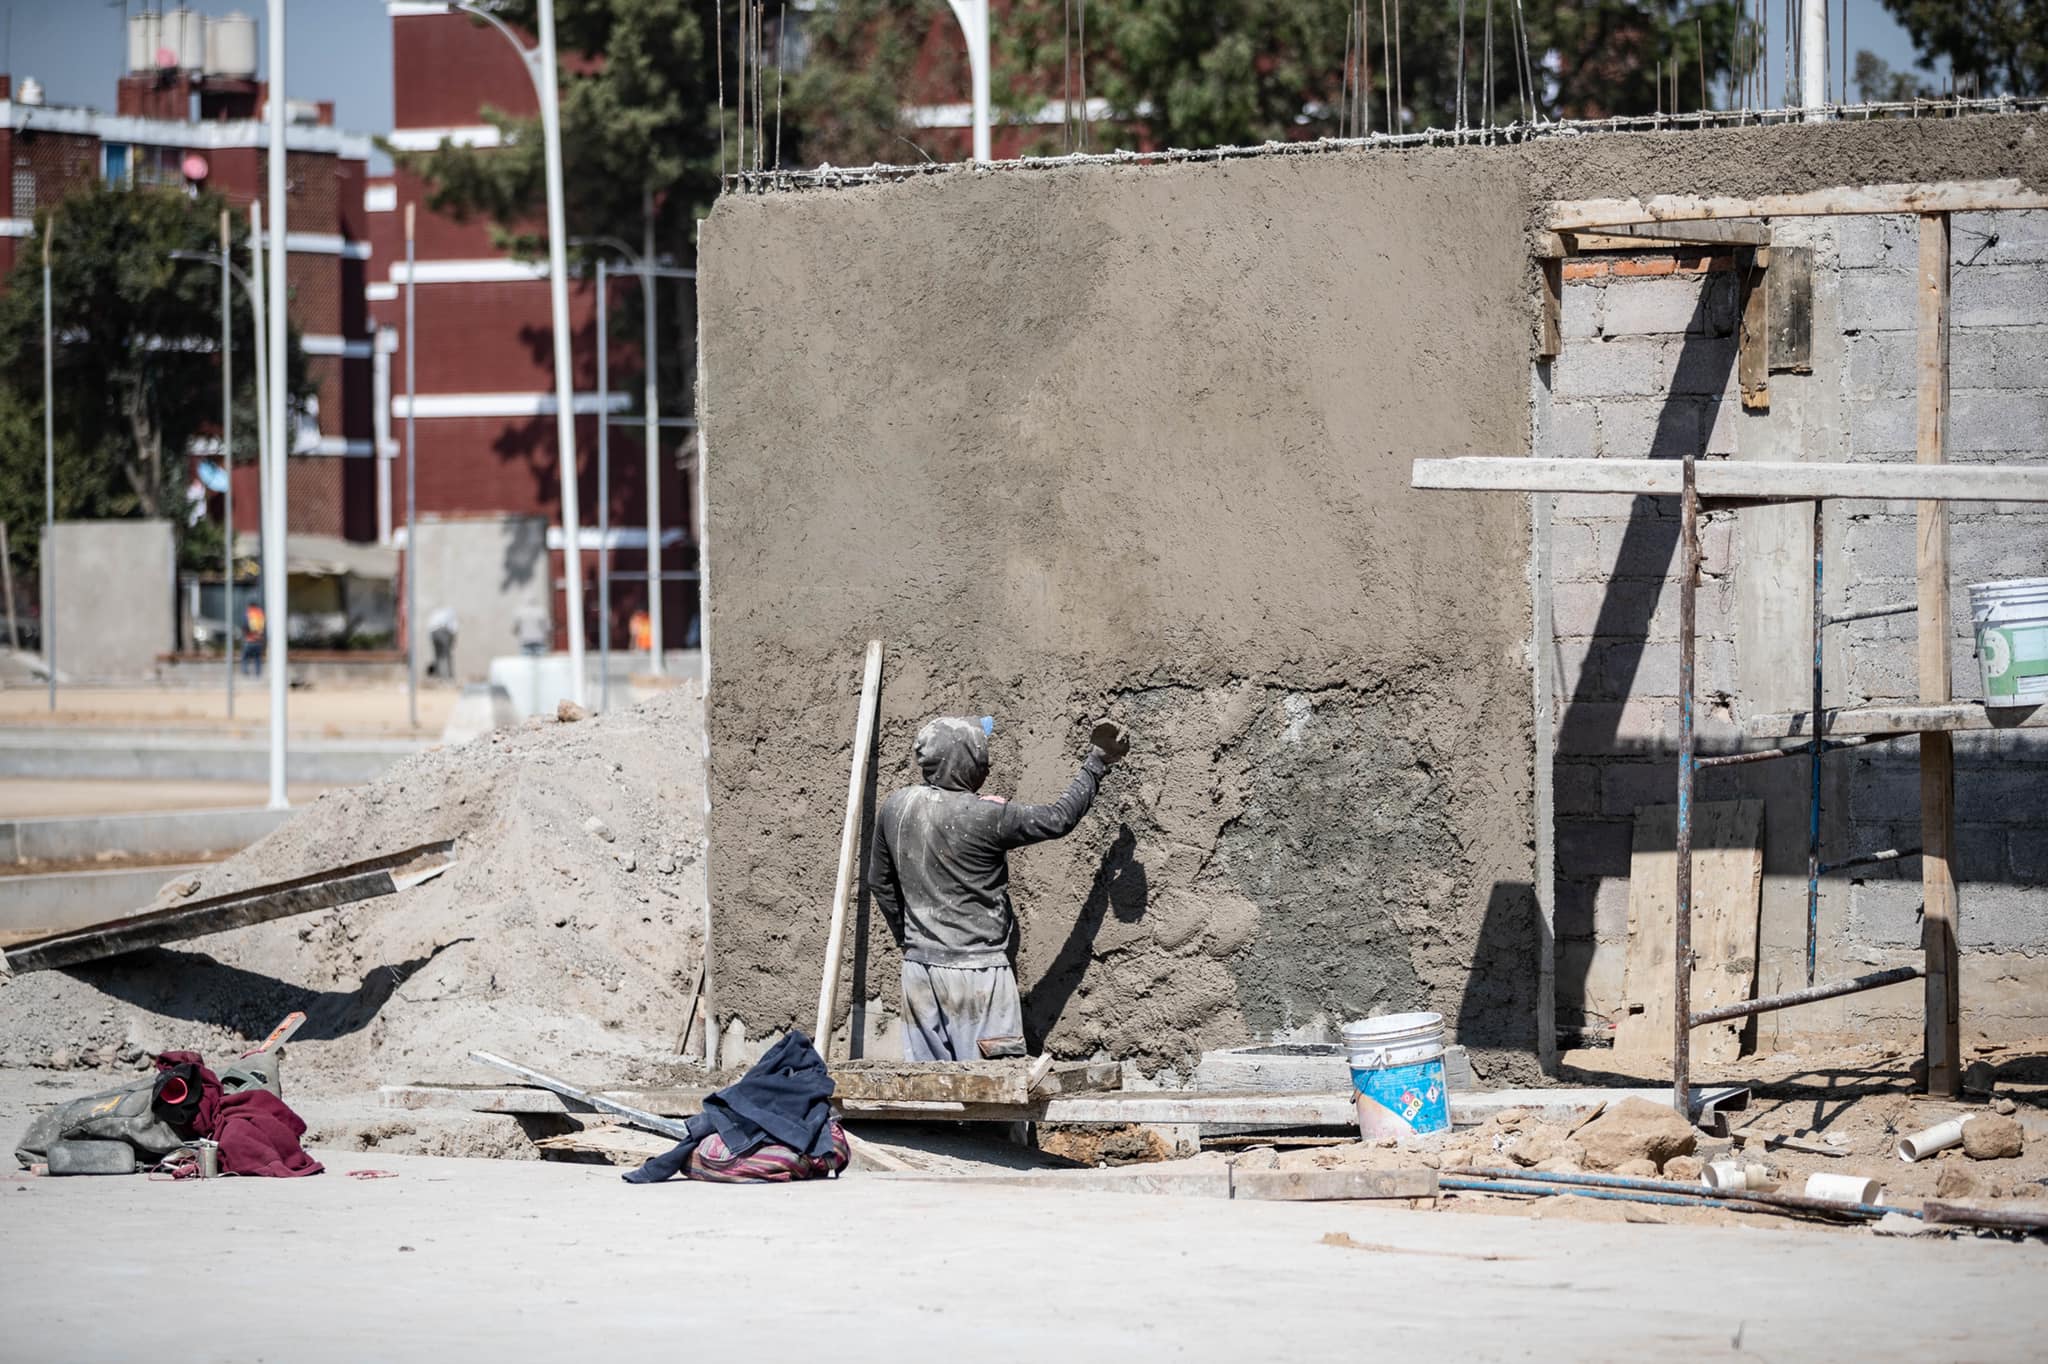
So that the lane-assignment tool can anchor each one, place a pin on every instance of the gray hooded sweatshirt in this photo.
(940, 869)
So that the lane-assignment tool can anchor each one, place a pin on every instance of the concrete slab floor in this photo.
(475, 1259)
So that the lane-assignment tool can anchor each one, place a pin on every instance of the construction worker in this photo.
(640, 628)
(940, 873)
(252, 639)
(442, 627)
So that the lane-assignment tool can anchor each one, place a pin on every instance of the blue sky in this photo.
(341, 49)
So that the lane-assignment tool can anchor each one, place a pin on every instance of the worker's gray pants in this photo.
(947, 1009)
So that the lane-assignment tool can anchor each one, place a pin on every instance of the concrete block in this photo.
(2001, 357)
(1593, 847)
(1999, 419)
(1314, 1186)
(1578, 673)
(1877, 300)
(1883, 363)
(1599, 608)
(1573, 431)
(2002, 795)
(1601, 369)
(1604, 507)
(1980, 851)
(1885, 913)
(2001, 916)
(1595, 728)
(1651, 428)
(1650, 307)
(1885, 791)
(1573, 553)
(2021, 238)
(1580, 317)
(1880, 426)
(1875, 549)
(1703, 366)
(1722, 424)
(1626, 786)
(1998, 296)
(1636, 668)
(1575, 912)
(2002, 547)
(2029, 854)
(1610, 910)
(1876, 240)
(1637, 549)
(115, 604)
(1590, 976)
(1723, 305)
(1575, 788)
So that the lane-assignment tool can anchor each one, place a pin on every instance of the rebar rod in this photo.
(1684, 1193)
(1869, 859)
(1681, 954)
(1897, 608)
(1813, 764)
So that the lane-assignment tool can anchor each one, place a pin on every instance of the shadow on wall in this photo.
(1120, 884)
(526, 553)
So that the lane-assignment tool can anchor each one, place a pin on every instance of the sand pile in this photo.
(566, 935)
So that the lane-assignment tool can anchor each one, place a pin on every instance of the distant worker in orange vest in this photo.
(641, 626)
(252, 639)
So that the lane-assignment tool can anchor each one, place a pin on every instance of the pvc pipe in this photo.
(1693, 1191)
(1939, 1137)
(1849, 1189)
(1732, 1176)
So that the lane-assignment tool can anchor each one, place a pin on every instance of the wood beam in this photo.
(1642, 236)
(1955, 196)
(1937, 755)
(1762, 480)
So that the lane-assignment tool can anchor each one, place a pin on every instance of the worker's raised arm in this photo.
(1024, 824)
(882, 881)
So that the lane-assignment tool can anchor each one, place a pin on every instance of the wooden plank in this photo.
(849, 841)
(1954, 196)
(527, 1099)
(237, 909)
(1954, 717)
(1753, 344)
(1727, 889)
(1646, 236)
(1788, 313)
(1756, 479)
(974, 1082)
(1550, 324)
(1937, 757)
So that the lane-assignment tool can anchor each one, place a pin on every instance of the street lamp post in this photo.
(277, 623)
(49, 557)
(540, 67)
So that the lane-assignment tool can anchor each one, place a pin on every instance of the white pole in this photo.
(412, 484)
(544, 78)
(1813, 58)
(261, 363)
(973, 17)
(649, 292)
(604, 492)
(276, 623)
(227, 451)
(49, 557)
(380, 427)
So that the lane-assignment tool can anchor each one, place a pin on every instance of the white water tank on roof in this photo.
(231, 46)
(145, 36)
(185, 37)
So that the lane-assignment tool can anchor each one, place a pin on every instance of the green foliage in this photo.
(1877, 83)
(135, 371)
(2001, 44)
(846, 104)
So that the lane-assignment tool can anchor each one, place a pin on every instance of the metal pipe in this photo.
(412, 482)
(1875, 981)
(1683, 1193)
(1897, 608)
(227, 456)
(1681, 954)
(1759, 755)
(259, 326)
(1813, 763)
(49, 558)
(277, 608)
(648, 294)
(1869, 859)
(604, 493)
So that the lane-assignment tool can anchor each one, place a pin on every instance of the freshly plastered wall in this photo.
(1136, 442)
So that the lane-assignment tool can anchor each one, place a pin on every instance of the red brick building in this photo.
(484, 412)
(182, 126)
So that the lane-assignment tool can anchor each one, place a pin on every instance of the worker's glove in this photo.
(1111, 742)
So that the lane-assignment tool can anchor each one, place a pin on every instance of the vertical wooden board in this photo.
(1753, 353)
(1790, 310)
(1727, 888)
(1550, 330)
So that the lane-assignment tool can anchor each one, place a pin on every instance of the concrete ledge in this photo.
(170, 833)
(63, 901)
(145, 756)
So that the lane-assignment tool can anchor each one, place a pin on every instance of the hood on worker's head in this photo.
(953, 754)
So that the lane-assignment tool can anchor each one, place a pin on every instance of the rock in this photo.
(1992, 1137)
(665, 864)
(1636, 1130)
(1559, 1165)
(186, 888)
(1640, 1168)
(1510, 1117)
(1687, 1168)
(568, 712)
(2004, 1107)
(596, 826)
(60, 1059)
(625, 859)
(1956, 1182)
(1535, 1145)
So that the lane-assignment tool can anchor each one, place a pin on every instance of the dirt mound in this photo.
(545, 941)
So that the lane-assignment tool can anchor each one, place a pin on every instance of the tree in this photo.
(1877, 83)
(135, 371)
(2002, 44)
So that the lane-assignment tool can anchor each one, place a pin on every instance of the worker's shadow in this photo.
(1120, 886)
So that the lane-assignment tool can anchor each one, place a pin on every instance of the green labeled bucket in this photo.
(2011, 621)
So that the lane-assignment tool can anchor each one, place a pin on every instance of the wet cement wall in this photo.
(1136, 443)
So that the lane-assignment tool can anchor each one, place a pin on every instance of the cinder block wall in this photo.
(1649, 369)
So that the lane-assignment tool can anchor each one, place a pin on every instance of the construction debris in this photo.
(1634, 1130)
(1993, 1137)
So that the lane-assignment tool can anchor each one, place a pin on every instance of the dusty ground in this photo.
(486, 1259)
(320, 712)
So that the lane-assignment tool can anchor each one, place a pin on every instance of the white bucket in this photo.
(1397, 1069)
(2011, 623)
